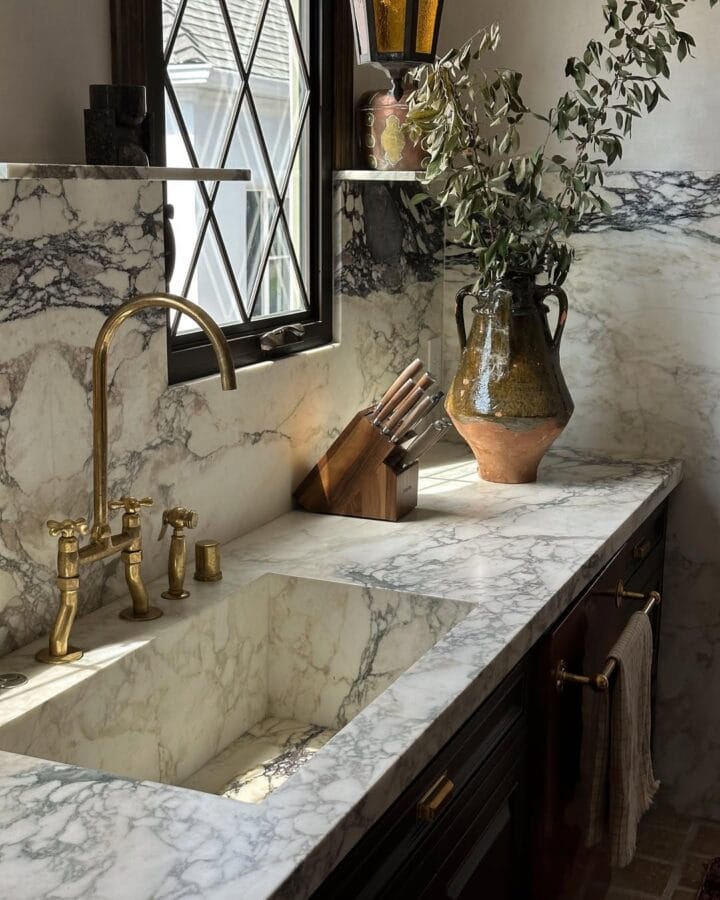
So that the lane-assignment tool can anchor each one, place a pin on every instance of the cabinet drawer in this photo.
(469, 762)
(478, 854)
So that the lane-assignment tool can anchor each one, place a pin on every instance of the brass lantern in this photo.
(395, 36)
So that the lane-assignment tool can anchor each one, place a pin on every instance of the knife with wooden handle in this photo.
(411, 371)
(384, 409)
(433, 433)
(382, 413)
(435, 399)
(398, 410)
(391, 423)
(426, 381)
(415, 396)
(416, 413)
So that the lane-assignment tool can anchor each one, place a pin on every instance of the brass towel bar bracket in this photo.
(601, 681)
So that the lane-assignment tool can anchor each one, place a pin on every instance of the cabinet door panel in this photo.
(483, 841)
(489, 862)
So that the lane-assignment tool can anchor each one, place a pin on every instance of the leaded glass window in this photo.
(240, 92)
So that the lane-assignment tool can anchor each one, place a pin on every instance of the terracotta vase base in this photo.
(508, 455)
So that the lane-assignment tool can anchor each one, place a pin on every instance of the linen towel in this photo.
(594, 755)
(632, 783)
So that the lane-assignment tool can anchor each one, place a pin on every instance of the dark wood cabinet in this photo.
(564, 869)
(495, 813)
(462, 823)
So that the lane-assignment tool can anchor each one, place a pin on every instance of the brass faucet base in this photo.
(175, 595)
(130, 615)
(73, 655)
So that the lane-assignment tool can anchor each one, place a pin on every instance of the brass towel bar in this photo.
(601, 681)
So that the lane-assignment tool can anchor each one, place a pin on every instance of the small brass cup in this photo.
(207, 561)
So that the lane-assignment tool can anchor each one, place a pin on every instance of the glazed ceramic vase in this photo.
(509, 399)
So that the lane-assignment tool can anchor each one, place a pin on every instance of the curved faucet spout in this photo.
(100, 390)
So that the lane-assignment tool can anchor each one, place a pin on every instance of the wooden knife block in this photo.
(356, 477)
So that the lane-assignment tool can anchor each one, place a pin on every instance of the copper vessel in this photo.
(384, 144)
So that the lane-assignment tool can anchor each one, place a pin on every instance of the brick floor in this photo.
(672, 854)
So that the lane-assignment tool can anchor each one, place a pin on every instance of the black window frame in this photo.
(137, 44)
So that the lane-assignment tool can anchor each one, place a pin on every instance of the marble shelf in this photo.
(22, 171)
(373, 175)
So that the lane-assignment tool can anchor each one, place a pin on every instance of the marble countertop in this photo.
(518, 553)
(21, 171)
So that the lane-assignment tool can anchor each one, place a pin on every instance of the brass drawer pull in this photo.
(435, 798)
(601, 681)
(642, 549)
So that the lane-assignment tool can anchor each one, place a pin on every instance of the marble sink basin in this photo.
(229, 696)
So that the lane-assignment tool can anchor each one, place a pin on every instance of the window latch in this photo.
(281, 337)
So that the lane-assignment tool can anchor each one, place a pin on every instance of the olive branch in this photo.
(515, 210)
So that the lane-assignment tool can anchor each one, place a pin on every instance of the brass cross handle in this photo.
(130, 504)
(67, 528)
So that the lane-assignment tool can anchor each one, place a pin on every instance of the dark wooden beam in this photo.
(344, 105)
(137, 58)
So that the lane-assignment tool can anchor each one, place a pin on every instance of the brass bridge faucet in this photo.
(128, 543)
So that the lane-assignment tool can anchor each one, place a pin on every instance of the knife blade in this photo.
(423, 442)
(422, 408)
(410, 371)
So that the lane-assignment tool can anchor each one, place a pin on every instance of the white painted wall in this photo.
(50, 51)
(539, 36)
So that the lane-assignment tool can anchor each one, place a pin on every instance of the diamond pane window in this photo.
(237, 83)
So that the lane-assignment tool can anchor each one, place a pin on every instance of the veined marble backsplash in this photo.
(640, 355)
(73, 250)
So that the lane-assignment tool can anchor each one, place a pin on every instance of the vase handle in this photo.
(549, 290)
(462, 294)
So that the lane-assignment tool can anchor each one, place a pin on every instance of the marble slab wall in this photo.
(641, 358)
(73, 250)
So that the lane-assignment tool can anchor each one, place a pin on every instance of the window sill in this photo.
(191, 356)
(260, 365)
